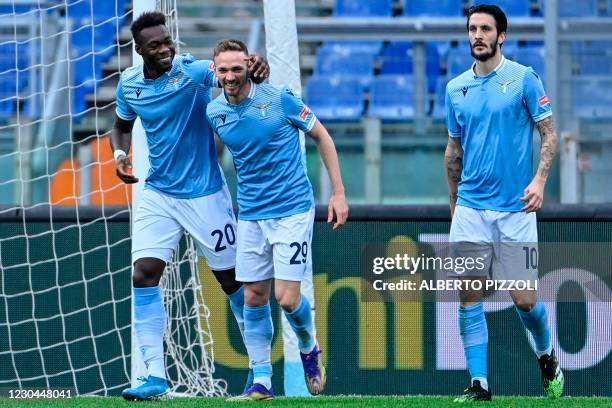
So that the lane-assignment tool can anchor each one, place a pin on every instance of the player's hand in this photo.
(259, 70)
(338, 207)
(534, 195)
(124, 170)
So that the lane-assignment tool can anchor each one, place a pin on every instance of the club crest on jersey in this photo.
(175, 80)
(263, 108)
(504, 85)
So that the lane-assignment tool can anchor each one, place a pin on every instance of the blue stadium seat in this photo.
(100, 10)
(7, 104)
(397, 59)
(592, 98)
(439, 109)
(335, 98)
(392, 97)
(459, 60)
(532, 57)
(572, 8)
(347, 63)
(510, 48)
(433, 8)
(510, 7)
(363, 8)
(366, 47)
(594, 64)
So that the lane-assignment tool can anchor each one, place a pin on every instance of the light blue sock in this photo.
(149, 325)
(475, 336)
(536, 321)
(258, 332)
(301, 322)
(236, 301)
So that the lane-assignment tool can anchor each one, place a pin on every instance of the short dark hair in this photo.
(146, 20)
(230, 45)
(497, 13)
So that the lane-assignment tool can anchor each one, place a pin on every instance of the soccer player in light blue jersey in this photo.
(491, 112)
(260, 126)
(184, 189)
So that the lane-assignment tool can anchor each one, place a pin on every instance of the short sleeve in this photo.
(123, 109)
(202, 71)
(534, 97)
(454, 129)
(296, 111)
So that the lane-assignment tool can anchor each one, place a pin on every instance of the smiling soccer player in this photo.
(259, 124)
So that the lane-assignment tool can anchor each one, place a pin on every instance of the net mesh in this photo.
(65, 304)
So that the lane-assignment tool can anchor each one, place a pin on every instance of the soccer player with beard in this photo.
(260, 126)
(491, 112)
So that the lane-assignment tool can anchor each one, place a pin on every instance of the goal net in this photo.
(65, 273)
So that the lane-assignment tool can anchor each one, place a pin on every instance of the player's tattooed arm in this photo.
(121, 139)
(259, 70)
(546, 127)
(534, 193)
(453, 160)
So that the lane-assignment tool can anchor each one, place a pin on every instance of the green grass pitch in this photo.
(323, 401)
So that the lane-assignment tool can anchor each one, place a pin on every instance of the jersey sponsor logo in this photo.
(263, 108)
(543, 100)
(138, 91)
(464, 90)
(504, 85)
(223, 116)
(304, 113)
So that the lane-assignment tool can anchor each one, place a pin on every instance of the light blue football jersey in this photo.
(262, 134)
(172, 109)
(494, 116)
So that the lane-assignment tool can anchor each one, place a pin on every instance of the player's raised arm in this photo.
(120, 141)
(453, 160)
(534, 193)
(337, 203)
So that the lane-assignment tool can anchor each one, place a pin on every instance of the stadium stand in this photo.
(433, 8)
(357, 8)
(335, 98)
(392, 97)
(512, 8)
(345, 62)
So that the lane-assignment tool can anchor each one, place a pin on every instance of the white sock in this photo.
(265, 381)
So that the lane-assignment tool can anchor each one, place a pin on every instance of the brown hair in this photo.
(230, 45)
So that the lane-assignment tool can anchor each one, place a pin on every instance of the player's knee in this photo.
(147, 272)
(524, 304)
(227, 280)
(255, 296)
(288, 301)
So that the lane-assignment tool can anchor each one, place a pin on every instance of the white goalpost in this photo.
(283, 56)
(65, 273)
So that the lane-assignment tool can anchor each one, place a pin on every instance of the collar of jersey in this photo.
(494, 72)
(248, 98)
(165, 74)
